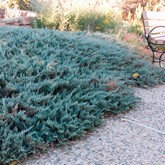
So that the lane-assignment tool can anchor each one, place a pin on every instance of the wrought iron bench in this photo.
(154, 27)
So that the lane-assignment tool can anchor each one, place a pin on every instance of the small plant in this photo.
(37, 23)
(137, 29)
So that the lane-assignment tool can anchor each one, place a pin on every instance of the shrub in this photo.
(57, 85)
(135, 29)
(37, 23)
(91, 21)
(68, 16)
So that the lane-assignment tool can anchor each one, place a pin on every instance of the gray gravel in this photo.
(135, 138)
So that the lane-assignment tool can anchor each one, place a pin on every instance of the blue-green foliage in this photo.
(54, 86)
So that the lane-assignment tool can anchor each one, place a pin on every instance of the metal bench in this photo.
(154, 27)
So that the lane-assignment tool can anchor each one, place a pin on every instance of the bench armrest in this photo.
(152, 30)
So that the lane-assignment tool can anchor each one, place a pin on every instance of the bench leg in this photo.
(162, 60)
(156, 56)
(153, 56)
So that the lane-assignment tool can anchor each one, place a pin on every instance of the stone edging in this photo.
(14, 17)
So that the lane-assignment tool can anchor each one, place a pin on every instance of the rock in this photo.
(1, 16)
(25, 20)
(14, 17)
(2, 24)
(31, 14)
(15, 24)
(9, 20)
(18, 13)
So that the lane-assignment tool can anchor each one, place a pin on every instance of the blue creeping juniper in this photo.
(54, 86)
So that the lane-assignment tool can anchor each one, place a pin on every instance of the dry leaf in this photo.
(14, 109)
(111, 85)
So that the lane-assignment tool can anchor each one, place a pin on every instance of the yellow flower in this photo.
(106, 21)
(97, 27)
(136, 75)
(14, 162)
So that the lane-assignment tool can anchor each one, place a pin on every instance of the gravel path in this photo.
(135, 138)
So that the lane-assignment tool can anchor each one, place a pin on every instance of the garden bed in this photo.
(55, 86)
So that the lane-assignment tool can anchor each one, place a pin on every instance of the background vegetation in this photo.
(95, 15)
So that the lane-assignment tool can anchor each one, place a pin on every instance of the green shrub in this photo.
(137, 29)
(37, 23)
(91, 21)
(57, 85)
(81, 21)
(49, 12)
(79, 17)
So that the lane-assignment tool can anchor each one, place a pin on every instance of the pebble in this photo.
(118, 142)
